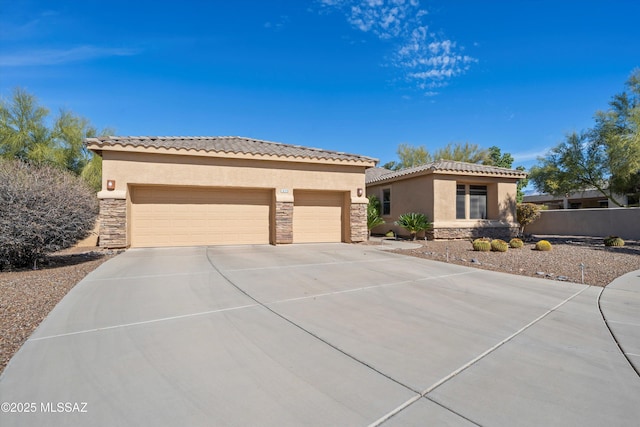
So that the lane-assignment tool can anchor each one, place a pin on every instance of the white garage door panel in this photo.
(317, 217)
(187, 216)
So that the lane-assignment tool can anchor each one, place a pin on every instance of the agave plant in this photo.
(413, 222)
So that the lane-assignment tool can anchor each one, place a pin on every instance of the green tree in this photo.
(522, 183)
(470, 153)
(606, 157)
(496, 158)
(392, 165)
(618, 131)
(410, 156)
(25, 135)
(526, 213)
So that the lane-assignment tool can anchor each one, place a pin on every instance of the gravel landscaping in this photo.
(601, 264)
(27, 297)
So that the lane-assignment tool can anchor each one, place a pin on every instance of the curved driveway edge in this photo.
(319, 334)
(620, 306)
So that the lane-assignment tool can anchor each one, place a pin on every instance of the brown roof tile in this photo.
(379, 174)
(227, 144)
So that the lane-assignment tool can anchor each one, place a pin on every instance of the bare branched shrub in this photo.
(42, 210)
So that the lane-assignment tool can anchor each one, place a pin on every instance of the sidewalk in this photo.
(620, 306)
(390, 244)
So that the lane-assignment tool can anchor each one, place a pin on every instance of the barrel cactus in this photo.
(613, 241)
(498, 245)
(516, 243)
(482, 244)
(543, 245)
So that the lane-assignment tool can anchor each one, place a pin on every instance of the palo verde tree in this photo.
(27, 133)
(410, 156)
(605, 158)
(470, 153)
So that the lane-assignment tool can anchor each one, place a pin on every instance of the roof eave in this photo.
(431, 171)
(98, 146)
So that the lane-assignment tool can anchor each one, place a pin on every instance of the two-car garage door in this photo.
(188, 216)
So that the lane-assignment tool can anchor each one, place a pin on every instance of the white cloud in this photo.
(425, 60)
(278, 25)
(528, 156)
(61, 56)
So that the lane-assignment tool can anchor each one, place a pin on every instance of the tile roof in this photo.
(226, 144)
(380, 174)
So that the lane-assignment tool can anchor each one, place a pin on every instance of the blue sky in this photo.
(355, 76)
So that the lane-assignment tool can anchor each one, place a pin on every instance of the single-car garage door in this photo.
(187, 216)
(317, 216)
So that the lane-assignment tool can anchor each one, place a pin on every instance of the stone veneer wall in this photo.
(284, 222)
(358, 218)
(113, 223)
(473, 232)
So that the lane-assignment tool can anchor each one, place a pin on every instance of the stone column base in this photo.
(472, 233)
(358, 220)
(284, 223)
(113, 223)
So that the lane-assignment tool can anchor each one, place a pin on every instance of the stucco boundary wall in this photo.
(623, 222)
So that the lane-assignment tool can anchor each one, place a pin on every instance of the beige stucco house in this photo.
(183, 191)
(462, 200)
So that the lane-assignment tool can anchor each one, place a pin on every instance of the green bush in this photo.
(373, 213)
(42, 210)
(413, 222)
(526, 213)
(613, 241)
(543, 245)
(482, 244)
(498, 245)
(516, 243)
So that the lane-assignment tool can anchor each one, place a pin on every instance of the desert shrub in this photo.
(613, 241)
(526, 213)
(482, 244)
(516, 243)
(42, 210)
(543, 245)
(413, 222)
(498, 245)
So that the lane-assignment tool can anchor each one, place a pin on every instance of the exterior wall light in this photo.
(360, 192)
(111, 184)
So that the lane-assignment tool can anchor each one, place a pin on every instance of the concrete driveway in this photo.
(328, 335)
